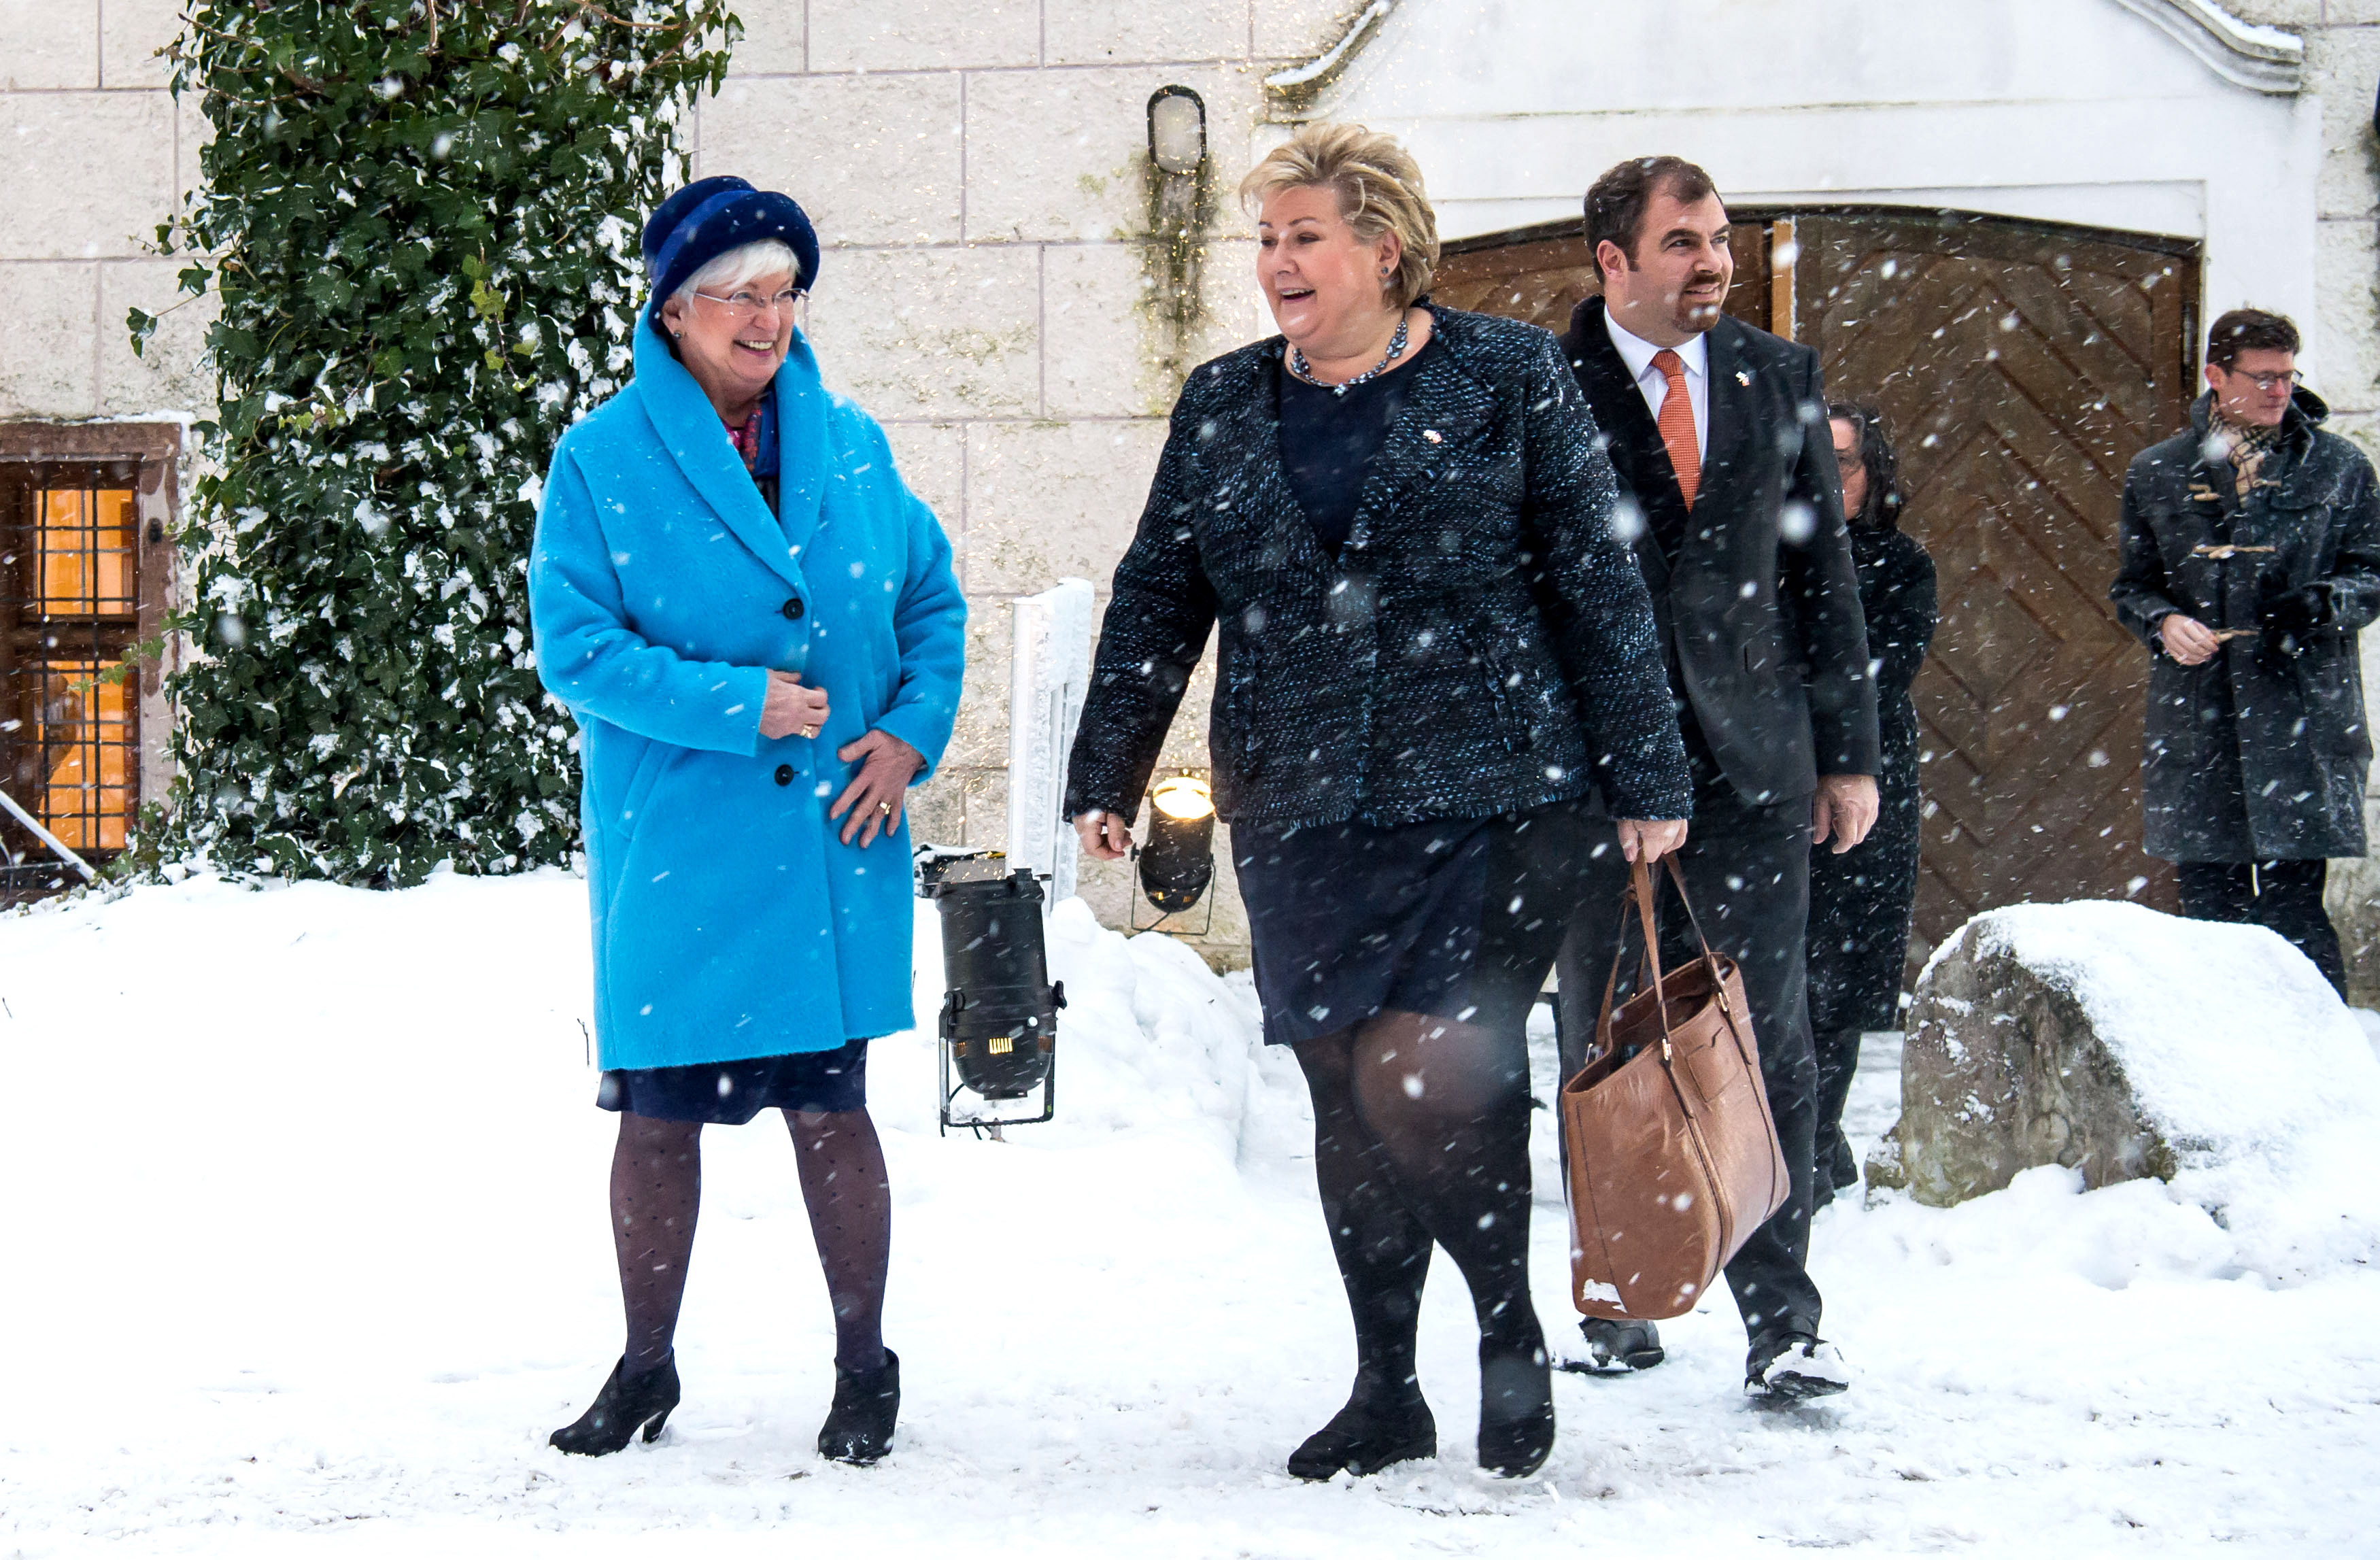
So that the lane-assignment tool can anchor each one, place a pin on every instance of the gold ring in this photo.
(809, 731)
(885, 808)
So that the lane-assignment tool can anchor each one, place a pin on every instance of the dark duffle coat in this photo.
(2259, 754)
(1482, 644)
(1861, 900)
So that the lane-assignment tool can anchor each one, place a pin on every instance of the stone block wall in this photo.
(97, 151)
(979, 175)
(2342, 44)
(978, 171)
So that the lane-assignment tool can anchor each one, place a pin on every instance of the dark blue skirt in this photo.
(731, 1094)
(1457, 919)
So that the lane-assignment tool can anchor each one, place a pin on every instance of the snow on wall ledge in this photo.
(2123, 1042)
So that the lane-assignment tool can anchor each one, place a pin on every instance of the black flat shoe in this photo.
(1613, 1347)
(1377, 1427)
(858, 1429)
(624, 1403)
(1516, 1410)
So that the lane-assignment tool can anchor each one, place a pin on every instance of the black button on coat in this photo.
(2260, 752)
(1482, 643)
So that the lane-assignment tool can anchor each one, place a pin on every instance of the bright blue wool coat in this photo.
(729, 920)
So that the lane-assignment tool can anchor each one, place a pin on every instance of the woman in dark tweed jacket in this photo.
(1435, 652)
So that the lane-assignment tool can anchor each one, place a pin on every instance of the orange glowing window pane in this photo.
(87, 740)
(86, 563)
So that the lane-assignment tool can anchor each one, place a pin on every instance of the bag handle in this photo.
(1640, 892)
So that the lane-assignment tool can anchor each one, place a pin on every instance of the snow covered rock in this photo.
(2122, 1045)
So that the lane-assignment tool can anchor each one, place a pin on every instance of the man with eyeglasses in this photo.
(2250, 556)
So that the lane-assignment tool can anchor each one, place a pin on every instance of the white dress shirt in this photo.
(1637, 353)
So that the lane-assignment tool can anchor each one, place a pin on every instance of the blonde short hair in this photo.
(1379, 192)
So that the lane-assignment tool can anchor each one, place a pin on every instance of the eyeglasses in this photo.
(743, 304)
(2265, 382)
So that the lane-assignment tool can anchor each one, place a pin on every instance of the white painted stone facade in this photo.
(976, 168)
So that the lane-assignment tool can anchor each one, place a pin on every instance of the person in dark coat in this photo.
(1860, 900)
(1718, 431)
(756, 626)
(1431, 648)
(2250, 557)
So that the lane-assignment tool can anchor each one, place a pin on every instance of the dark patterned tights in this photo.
(657, 1190)
(1421, 1134)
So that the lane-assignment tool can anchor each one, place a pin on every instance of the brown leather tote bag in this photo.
(1673, 1155)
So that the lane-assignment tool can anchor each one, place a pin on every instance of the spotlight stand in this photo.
(998, 1026)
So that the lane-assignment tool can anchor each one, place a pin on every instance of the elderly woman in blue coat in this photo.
(756, 628)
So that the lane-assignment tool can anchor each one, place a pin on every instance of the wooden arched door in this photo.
(2020, 367)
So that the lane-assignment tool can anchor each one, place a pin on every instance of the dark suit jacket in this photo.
(1759, 602)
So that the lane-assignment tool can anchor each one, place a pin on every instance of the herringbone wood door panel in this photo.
(2021, 368)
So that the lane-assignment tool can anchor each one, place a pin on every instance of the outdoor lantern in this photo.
(1177, 130)
(1178, 862)
(999, 1021)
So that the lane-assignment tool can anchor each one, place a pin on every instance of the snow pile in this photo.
(2238, 1053)
(307, 1246)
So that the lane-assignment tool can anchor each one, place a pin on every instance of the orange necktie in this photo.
(1678, 425)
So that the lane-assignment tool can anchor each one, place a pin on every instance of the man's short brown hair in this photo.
(1616, 203)
(2248, 330)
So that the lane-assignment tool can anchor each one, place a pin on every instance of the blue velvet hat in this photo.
(713, 215)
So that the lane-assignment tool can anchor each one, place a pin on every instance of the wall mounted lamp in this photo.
(1177, 130)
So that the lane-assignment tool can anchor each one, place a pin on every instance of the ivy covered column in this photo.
(421, 220)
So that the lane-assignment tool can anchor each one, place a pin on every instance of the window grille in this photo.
(69, 612)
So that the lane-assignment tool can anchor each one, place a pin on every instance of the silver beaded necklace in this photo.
(1298, 365)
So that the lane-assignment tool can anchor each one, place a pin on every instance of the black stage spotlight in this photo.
(1178, 862)
(999, 1023)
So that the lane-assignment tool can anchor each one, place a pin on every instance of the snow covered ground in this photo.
(306, 1254)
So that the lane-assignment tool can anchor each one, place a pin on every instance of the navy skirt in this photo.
(1458, 919)
(731, 1094)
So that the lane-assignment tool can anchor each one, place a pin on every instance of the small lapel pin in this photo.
(1744, 377)
(1431, 435)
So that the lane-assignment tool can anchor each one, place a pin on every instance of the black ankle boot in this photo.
(1382, 1423)
(1516, 1408)
(624, 1403)
(858, 1429)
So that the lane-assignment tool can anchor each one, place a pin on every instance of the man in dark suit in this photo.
(1719, 433)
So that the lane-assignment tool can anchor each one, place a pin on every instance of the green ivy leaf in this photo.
(356, 555)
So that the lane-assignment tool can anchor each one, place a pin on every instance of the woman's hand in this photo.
(793, 708)
(1649, 839)
(1105, 835)
(875, 798)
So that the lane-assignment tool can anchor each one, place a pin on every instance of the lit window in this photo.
(69, 614)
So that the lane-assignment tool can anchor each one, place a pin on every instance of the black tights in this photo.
(657, 1190)
(1421, 1134)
